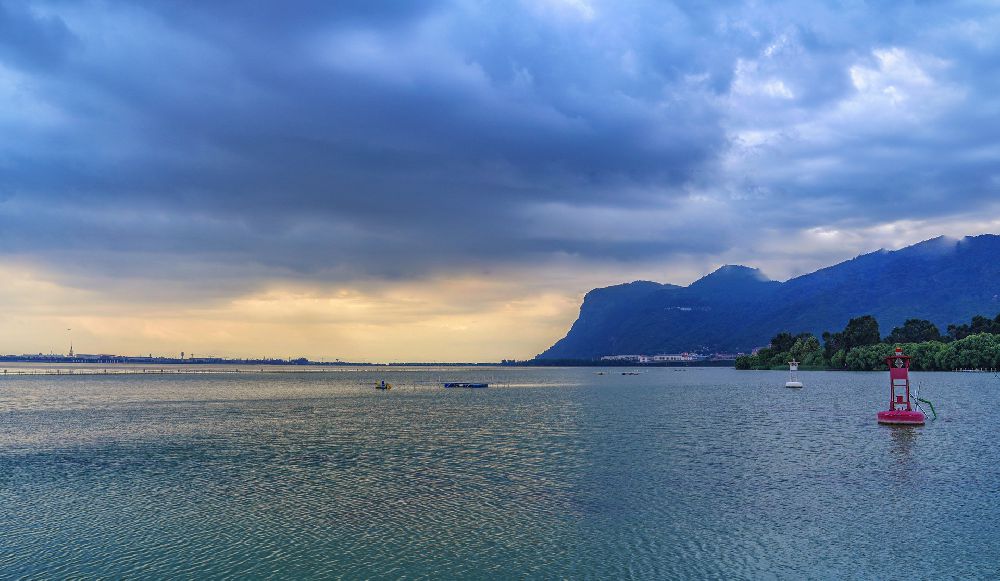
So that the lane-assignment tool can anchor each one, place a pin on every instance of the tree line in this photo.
(860, 347)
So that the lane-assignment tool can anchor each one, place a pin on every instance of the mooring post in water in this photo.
(900, 410)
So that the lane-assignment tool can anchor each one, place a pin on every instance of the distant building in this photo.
(662, 358)
(673, 357)
(636, 358)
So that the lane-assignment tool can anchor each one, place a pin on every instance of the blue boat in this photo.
(466, 384)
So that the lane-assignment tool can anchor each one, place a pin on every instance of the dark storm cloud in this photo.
(335, 140)
(32, 41)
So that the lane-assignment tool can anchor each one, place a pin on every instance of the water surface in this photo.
(675, 473)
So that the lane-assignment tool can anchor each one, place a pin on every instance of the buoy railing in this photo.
(929, 404)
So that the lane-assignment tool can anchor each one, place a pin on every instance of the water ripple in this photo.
(560, 473)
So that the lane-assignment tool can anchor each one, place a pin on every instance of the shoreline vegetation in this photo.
(860, 347)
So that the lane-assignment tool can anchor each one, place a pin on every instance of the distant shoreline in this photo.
(111, 360)
(154, 361)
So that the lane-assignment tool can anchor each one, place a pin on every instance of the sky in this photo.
(444, 180)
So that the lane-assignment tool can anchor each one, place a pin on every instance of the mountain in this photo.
(737, 308)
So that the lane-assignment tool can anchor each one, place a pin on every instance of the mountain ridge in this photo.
(736, 307)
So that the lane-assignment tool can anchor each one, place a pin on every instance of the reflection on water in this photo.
(709, 473)
(903, 440)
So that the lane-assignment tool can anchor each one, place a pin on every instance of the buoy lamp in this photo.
(900, 411)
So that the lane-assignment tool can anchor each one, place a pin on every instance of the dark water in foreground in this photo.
(700, 473)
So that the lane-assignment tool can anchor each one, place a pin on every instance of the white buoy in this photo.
(793, 380)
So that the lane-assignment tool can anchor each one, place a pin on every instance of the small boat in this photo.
(630, 373)
(466, 384)
(383, 385)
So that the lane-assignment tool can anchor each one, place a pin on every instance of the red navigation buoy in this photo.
(900, 411)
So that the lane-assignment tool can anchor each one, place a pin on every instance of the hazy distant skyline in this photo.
(443, 180)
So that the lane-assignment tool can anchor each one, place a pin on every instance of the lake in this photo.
(674, 473)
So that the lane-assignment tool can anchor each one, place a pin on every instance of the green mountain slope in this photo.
(736, 308)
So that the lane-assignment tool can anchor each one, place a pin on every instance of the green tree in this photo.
(832, 342)
(957, 332)
(779, 360)
(868, 357)
(782, 342)
(981, 324)
(814, 359)
(861, 331)
(946, 359)
(978, 325)
(978, 351)
(857, 347)
(924, 355)
(914, 331)
(838, 361)
(804, 346)
(807, 350)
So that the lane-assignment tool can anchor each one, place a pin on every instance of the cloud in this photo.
(32, 40)
(213, 151)
(471, 318)
(176, 141)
